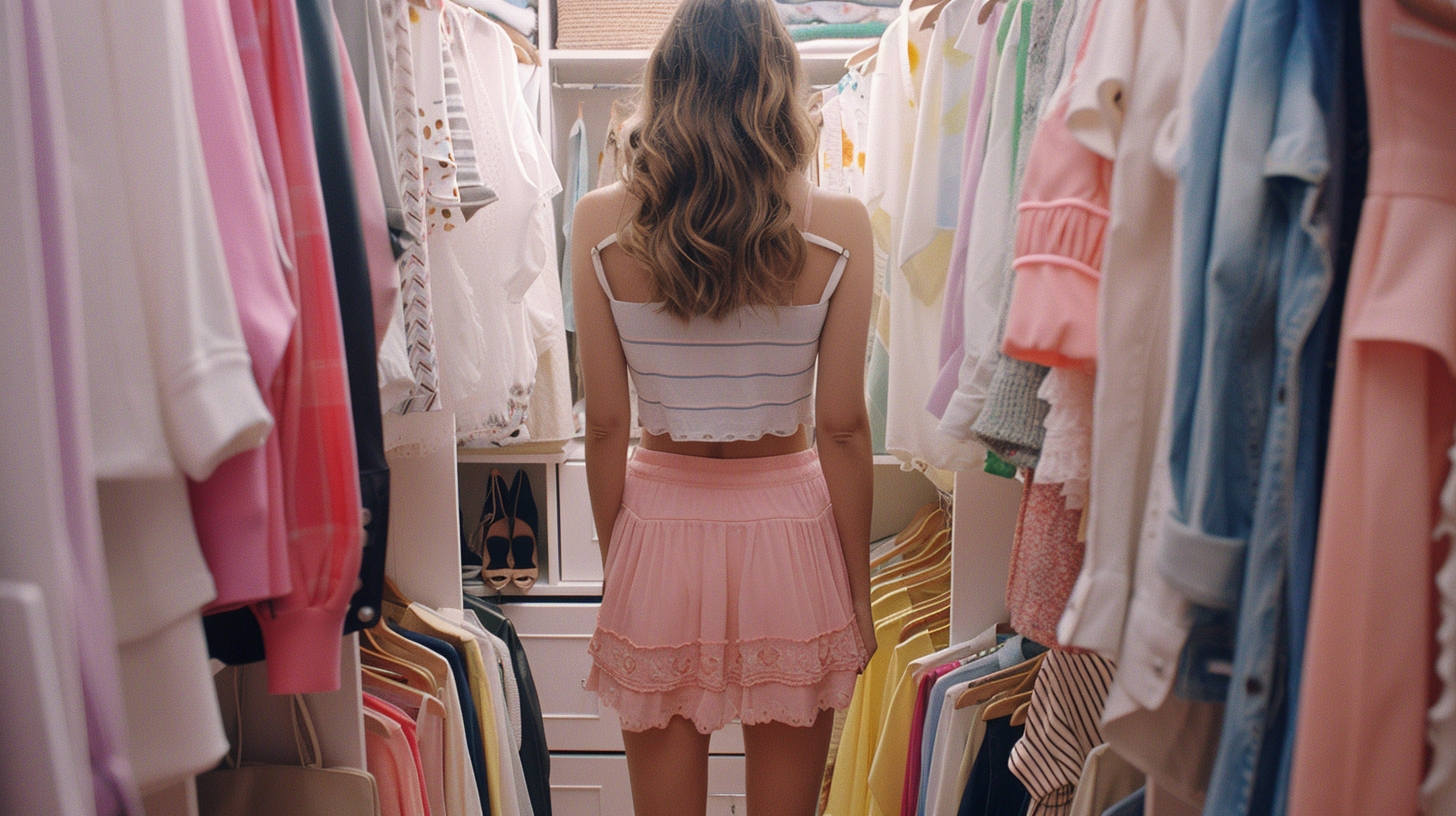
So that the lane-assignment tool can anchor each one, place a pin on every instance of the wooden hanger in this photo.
(1004, 707)
(915, 534)
(931, 554)
(984, 12)
(933, 15)
(393, 594)
(526, 53)
(931, 618)
(384, 638)
(1019, 717)
(937, 573)
(411, 674)
(992, 684)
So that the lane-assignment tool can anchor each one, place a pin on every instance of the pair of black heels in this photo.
(505, 536)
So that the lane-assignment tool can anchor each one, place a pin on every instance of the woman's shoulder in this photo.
(599, 213)
(839, 217)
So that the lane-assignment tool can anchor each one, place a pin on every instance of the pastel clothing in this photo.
(239, 509)
(952, 321)
(486, 342)
(994, 209)
(1066, 450)
(1106, 779)
(925, 232)
(742, 377)
(849, 789)
(1360, 744)
(1438, 791)
(158, 307)
(1121, 584)
(46, 458)
(1052, 319)
(1045, 559)
(392, 757)
(725, 595)
(301, 631)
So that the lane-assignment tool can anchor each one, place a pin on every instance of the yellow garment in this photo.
(887, 772)
(426, 621)
(849, 790)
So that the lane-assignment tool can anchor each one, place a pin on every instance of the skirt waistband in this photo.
(758, 471)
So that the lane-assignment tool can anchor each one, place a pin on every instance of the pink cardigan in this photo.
(1063, 220)
(238, 511)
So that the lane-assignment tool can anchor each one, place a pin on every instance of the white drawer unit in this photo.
(581, 554)
(555, 636)
(598, 785)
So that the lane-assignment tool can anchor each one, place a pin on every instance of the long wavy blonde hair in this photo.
(722, 128)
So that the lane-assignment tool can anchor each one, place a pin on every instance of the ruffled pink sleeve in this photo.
(1059, 237)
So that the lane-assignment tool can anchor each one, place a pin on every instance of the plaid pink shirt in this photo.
(301, 630)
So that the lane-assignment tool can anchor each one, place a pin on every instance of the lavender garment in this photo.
(952, 323)
(112, 779)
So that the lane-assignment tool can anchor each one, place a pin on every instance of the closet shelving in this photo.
(434, 493)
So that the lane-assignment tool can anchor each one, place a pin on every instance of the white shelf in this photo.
(490, 455)
(597, 55)
(580, 589)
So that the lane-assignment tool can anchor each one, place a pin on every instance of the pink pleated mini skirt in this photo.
(725, 595)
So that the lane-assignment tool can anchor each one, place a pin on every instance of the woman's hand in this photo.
(866, 622)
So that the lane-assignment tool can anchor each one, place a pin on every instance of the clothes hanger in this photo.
(411, 674)
(383, 638)
(984, 12)
(387, 673)
(928, 620)
(393, 691)
(912, 536)
(393, 594)
(992, 684)
(932, 552)
(1019, 716)
(933, 15)
(937, 572)
(922, 614)
(1004, 707)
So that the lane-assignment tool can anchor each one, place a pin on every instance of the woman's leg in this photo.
(669, 769)
(785, 766)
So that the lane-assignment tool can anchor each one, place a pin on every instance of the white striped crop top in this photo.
(740, 378)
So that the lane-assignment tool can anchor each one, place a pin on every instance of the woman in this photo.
(737, 568)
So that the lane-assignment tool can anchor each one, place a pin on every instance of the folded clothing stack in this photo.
(823, 19)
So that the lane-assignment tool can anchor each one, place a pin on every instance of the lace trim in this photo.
(833, 697)
(709, 436)
(715, 666)
(1066, 451)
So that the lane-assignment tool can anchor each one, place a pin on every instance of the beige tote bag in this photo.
(305, 789)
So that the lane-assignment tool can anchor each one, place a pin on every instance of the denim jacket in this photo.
(1254, 276)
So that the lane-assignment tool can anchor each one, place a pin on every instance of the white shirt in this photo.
(923, 245)
(986, 265)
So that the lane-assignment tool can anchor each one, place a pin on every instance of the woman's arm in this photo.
(603, 367)
(842, 425)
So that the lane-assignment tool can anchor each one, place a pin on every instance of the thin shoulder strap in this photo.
(838, 265)
(596, 253)
(809, 209)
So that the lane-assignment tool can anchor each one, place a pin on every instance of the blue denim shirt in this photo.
(1254, 277)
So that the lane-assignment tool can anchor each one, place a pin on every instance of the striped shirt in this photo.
(1062, 728)
(739, 378)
